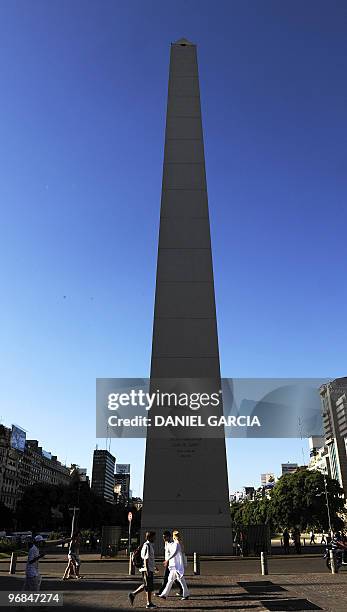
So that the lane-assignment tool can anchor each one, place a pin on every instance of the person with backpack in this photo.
(143, 559)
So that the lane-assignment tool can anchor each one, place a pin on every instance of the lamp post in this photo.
(327, 502)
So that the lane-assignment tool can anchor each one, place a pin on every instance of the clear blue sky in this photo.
(83, 100)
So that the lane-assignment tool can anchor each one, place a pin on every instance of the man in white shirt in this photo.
(148, 568)
(32, 573)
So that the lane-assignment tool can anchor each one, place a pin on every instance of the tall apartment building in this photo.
(334, 411)
(103, 474)
(319, 455)
(122, 484)
(24, 464)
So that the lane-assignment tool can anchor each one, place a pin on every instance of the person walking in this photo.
(286, 541)
(297, 541)
(167, 541)
(32, 573)
(148, 568)
(74, 562)
(176, 564)
(313, 537)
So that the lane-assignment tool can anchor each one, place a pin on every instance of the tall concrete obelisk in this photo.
(186, 483)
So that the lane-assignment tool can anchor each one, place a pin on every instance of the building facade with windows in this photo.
(103, 474)
(289, 468)
(22, 468)
(319, 455)
(334, 412)
(122, 488)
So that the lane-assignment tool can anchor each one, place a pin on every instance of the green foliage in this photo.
(297, 500)
(47, 507)
(252, 512)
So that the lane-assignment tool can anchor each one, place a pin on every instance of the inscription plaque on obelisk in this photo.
(186, 484)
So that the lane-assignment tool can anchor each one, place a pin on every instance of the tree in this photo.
(34, 510)
(46, 507)
(298, 500)
(251, 512)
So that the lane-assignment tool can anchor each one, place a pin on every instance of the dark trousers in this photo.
(164, 583)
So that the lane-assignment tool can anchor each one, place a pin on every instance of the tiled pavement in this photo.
(241, 593)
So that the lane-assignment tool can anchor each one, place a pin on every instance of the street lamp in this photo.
(326, 501)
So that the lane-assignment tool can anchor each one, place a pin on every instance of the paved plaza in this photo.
(299, 583)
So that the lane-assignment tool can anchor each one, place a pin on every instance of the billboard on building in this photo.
(123, 468)
(18, 437)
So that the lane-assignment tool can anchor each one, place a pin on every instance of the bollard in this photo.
(131, 566)
(196, 564)
(332, 562)
(13, 563)
(263, 564)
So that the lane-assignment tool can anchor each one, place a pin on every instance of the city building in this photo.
(288, 468)
(247, 493)
(24, 463)
(315, 444)
(334, 412)
(319, 455)
(267, 478)
(236, 496)
(122, 483)
(103, 474)
(80, 472)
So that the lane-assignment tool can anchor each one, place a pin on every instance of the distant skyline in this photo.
(84, 88)
(135, 448)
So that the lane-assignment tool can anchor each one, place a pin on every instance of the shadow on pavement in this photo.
(261, 587)
(289, 605)
(163, 607)
(252, 597)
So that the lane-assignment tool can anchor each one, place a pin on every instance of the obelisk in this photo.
(186, 483)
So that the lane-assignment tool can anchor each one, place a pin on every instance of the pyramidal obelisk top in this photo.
(184, 42)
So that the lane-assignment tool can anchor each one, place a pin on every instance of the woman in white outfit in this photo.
(176, 563)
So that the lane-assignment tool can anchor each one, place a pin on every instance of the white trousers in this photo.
(174, 575)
